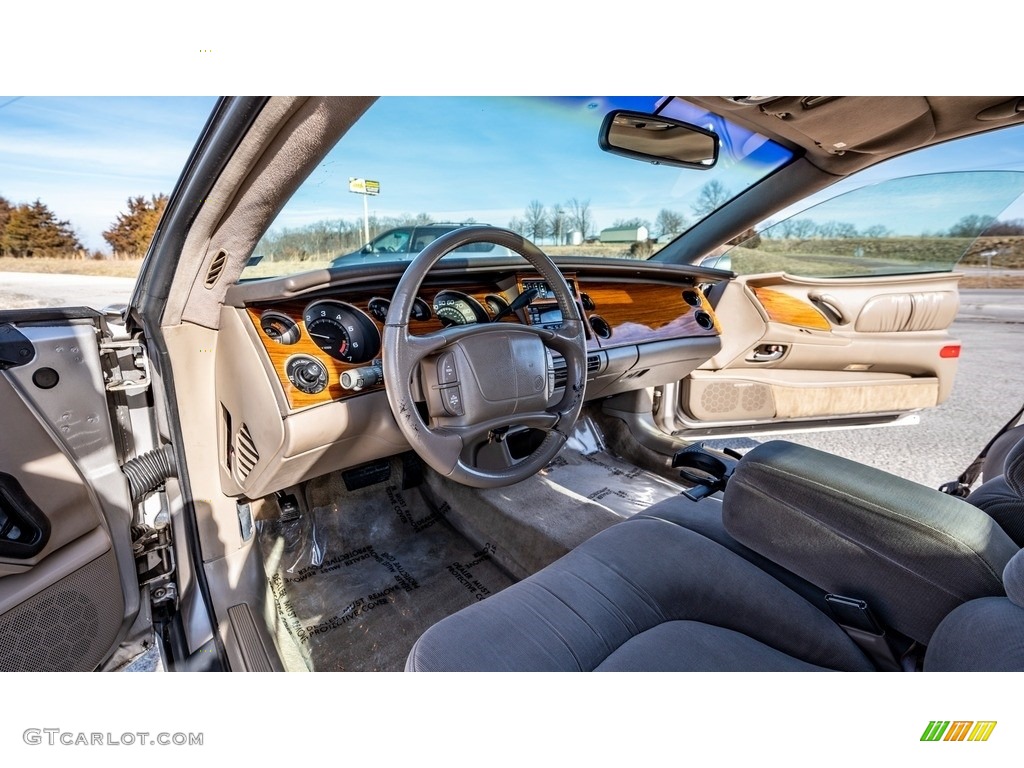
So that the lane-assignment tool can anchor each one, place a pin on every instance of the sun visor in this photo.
(865, 124)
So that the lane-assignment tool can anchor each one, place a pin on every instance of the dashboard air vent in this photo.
(593, 366)
(246, 454)
(216, 267)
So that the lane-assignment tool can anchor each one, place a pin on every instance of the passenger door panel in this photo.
(803, 349)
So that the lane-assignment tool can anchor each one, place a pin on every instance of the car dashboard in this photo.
(318, 402)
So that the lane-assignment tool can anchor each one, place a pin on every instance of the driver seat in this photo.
(654, 594)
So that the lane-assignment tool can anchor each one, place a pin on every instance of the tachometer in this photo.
(342, 331)
(454, 308)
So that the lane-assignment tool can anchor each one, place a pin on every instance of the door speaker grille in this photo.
(732, 400)
(67, 627)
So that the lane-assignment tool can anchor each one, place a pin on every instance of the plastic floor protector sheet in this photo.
(360, 577)
(586, 467)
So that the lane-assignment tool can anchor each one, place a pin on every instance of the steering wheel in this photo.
(477, 379)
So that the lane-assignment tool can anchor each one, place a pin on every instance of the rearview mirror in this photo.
(659, 140)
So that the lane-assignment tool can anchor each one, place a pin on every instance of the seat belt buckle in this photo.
(705, 469)
(858, 621)
(956, 488)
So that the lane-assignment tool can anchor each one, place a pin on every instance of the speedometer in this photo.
(454, 308)
(342, 331)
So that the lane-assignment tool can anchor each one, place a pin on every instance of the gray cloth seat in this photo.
(984, 635)
(1001, 496)
(644, 594)
(672, 590)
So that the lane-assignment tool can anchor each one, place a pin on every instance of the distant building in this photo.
(623, 234)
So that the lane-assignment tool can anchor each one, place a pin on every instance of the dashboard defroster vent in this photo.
(246, 454)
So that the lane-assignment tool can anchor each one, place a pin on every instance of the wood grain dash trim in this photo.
(789, 310)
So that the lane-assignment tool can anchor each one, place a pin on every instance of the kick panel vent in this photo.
(246, 454)
(216, 268)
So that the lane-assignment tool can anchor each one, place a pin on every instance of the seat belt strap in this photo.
(962, 485)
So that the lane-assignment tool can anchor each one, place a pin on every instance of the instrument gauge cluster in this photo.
(456, 308)
(342, 331)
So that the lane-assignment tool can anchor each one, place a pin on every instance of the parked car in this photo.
(465, 453)
(406, 242)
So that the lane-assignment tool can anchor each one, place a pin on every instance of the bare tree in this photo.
(833, 229)
(971, 226)
(804, 228)
(535, 219)
(1008, 227)
(580, 217)
(669, 222)
(712, 195)
(517, 225)
(877, 230)
(557, 223)
(633, 223)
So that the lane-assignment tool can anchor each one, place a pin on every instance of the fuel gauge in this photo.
(279, 327)
(495, 303)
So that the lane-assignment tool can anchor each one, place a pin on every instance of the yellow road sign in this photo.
(364, 186)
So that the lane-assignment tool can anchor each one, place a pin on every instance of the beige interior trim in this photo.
(240, 578)
(805, 402)
(192, 348)
(289, 137)
(18, 588)
(292, 445)
(48, 477)
(851, 132)
(921, 306)
(780, 394)
(902, 312)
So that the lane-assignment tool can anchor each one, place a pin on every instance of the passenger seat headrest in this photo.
(1013, 469)
(1013, 579)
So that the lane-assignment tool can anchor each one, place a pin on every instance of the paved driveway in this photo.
(30, 289)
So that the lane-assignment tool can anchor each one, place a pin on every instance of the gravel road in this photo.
(19, 290)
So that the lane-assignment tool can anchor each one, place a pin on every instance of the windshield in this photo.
(413, 168)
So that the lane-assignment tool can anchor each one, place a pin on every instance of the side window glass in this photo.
(423, 239)
(926, 223)
(395, 241)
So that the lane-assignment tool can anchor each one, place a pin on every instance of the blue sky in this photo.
(85, 156)
(487, 159)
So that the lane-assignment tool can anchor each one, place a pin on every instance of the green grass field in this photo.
(103, 267)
